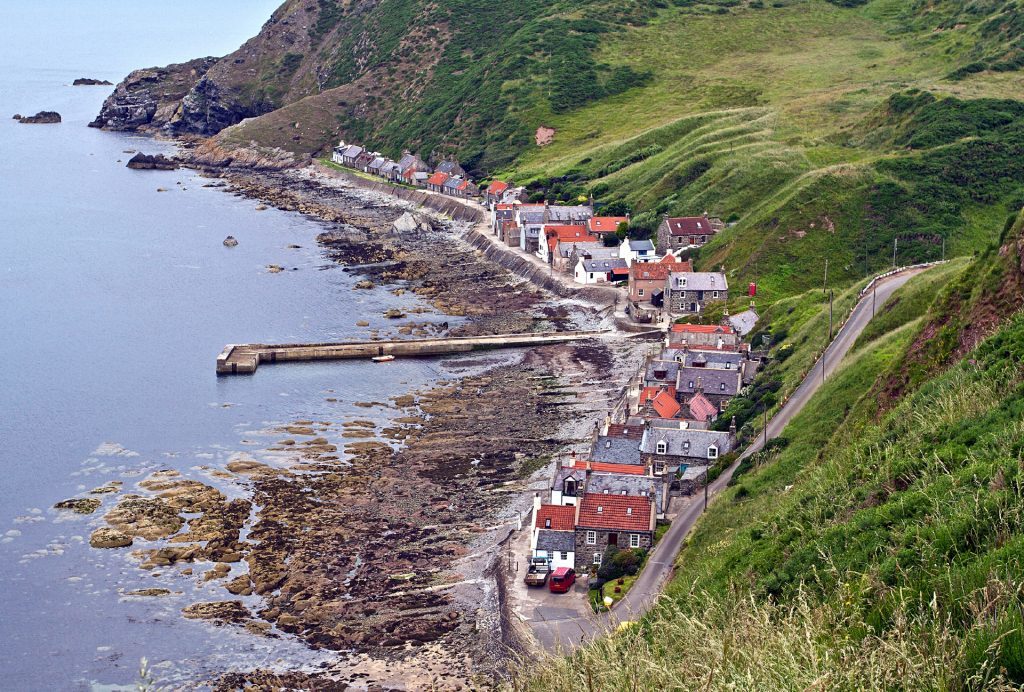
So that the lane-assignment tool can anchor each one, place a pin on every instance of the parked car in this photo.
(562, 580)
(538, 572)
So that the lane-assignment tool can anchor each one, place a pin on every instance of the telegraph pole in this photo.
(705, 491)
(831, 295)
(874, 297)
(895, 243)
(825, 282)
(764, 408)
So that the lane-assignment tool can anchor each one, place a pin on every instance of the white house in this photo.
(599, 270)
(637, 251)
(554, 534)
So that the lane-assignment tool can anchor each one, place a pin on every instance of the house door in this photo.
(613, 539)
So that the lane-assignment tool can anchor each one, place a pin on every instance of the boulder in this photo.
(149, 518)
(230, 241)
(109, 538)
(88, 81)
(394, 314)
(365, 284)
(79, 505)
(41, 118)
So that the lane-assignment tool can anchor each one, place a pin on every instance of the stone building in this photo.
(690, 292)
(625, 521)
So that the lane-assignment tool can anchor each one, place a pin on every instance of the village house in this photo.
(350, 154)
(391, 171)
(553, 536)
(744, 322)
(718, 386)
(625, 521)
(661, 373)
(530, 221)
(700, 409)
(411, 161)
(568, 485)
(450, 167)
(499, 214)
(510, 233)
(647, 282)
(495, 192)
(703, 336)
(659, 402)
(615, 450)
(641, 251)
(680, 233)
(604, 225)
(435, 183)
(376, 165)
(666, 449)
(690, 292)
(559, 241)
(598, 270)
(362, 162)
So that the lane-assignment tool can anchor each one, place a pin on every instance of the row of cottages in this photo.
(448, 177)
(647, 285)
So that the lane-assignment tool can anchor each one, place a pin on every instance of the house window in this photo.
(591, 275)
(662, 447)
(728, 365)
(686, 446)
(565, 555)
(547, 523)
(682, 283)
(629, 511)
(600, 509)
(722, 386)
(659, 467)
(591, 537)
(715, 294)
(542, 553)
(597, 558)
(570, 488)
(634, 540)
(640, 292)
(712, 452)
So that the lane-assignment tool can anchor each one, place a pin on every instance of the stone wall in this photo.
(585, 553)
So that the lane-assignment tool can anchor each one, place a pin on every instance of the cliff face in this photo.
(150, 98)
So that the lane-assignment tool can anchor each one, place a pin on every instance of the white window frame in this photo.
(565, 555)
(659, 467)
(597, 558)
(715, 294)
(640, 292)
(591, 537)
(661, 447)
(721, 386)
(712, 452)
(634, 540)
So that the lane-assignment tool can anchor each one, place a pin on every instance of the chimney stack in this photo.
(732, 427)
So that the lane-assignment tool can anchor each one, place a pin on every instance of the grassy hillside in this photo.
(871, 547)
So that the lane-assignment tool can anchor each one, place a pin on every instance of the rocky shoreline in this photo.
(379, 541)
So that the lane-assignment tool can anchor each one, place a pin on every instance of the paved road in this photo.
(554, 632)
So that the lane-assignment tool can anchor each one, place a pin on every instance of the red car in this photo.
(562, 580)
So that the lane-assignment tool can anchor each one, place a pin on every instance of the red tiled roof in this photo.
(666, 406)
(689, 225)
(621, 271)
(463, 185)
(606, 224)
(657, 271)
(437, 179)
(648, 393)
(701, 329)
(633, 432)
(700, 408)
(504, 207)
(497, 187)
(562, 518)
(617, 512)
(606, 467)
(567, 234)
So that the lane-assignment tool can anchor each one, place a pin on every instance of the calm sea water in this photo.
(114, 302)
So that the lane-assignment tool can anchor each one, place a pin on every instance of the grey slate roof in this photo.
(698, 281)
(713, 380)
(604, 265)
(378, 162)
(687, 442)
(722, 360)
(641, 246)
(670, 367)
(532, 216)
(615, 450)
(564, 473)
(449, 167)
(616, 483)
(353, 151)
(744, 322)
(561, 541)
(568, 213)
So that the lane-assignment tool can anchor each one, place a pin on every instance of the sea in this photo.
(116, 295)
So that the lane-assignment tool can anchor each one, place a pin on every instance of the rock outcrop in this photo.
(150, 99)
(231, 241)
(88, 81)
(40, 118)
(157, 162)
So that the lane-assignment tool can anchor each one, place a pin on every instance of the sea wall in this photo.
(449, 206)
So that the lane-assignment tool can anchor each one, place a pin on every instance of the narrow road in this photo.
(572, 630)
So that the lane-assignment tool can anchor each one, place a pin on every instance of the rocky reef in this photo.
(88, 81)
(40, 118)
(158, 162)
(150, 99)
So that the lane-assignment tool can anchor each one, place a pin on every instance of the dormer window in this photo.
(712, 452)
(600, 509)
(603, 492)
(682, 283)
(622, 492)
(608, 443)
(686, 446)
(690, 386)
(570, 487)
(661, 447)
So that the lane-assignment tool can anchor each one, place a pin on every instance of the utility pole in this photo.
(874, 297)
(895, 243)
(764, 408)
(825, 282)
(705, 491)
